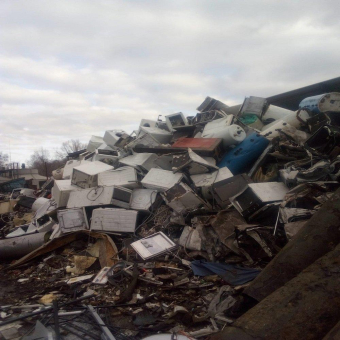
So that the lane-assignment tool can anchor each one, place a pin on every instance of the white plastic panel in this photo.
(61, 191)
(144, 160)
(68, 168)
(142, 199)
(71, 220)
(92, 168)
(112, 136)
(125, 177)
(114, 220)
(94, 143)
(154, 245)
(90, 197)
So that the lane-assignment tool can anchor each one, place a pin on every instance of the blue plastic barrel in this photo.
(241, 158)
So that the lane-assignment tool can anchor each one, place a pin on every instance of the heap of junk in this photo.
(222, 225)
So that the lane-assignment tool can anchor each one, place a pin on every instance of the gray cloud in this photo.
(75, 68)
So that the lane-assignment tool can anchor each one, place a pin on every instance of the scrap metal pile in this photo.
(164, 230)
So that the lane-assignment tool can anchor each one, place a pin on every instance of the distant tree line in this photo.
(42, 160)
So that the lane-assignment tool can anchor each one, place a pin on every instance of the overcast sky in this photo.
(70, 69)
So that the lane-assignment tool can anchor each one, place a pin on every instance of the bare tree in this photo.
(3, 159)
(41, 160)
(69, 146)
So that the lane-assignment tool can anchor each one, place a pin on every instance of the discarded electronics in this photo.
(192, 163)
(124, 176)
(112, 137)
(121, 197)
(112, 195)
(86, 175)
(68, 168)
(181, 199)
(176, 120)
(61, 191)
(144, 161)
(161, 180)
(114, 220)
(159, 135)
(148, 123)
(257, 195)
(152, 246)
(324, 140)
(210, 104)
(71, 220)
(90, 197)
(143, 199)
(145, 140)
(94, 143)
(225, 188)
(253, 105)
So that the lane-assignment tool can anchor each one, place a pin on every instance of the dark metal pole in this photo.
(56, 319)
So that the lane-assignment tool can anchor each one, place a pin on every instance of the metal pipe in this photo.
(20, 246)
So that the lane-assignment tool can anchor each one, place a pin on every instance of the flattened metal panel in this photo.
(90, 197)
(114, 220)
(161, 180)
(71, 220)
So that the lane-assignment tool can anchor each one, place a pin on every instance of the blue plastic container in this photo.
(241, 158)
